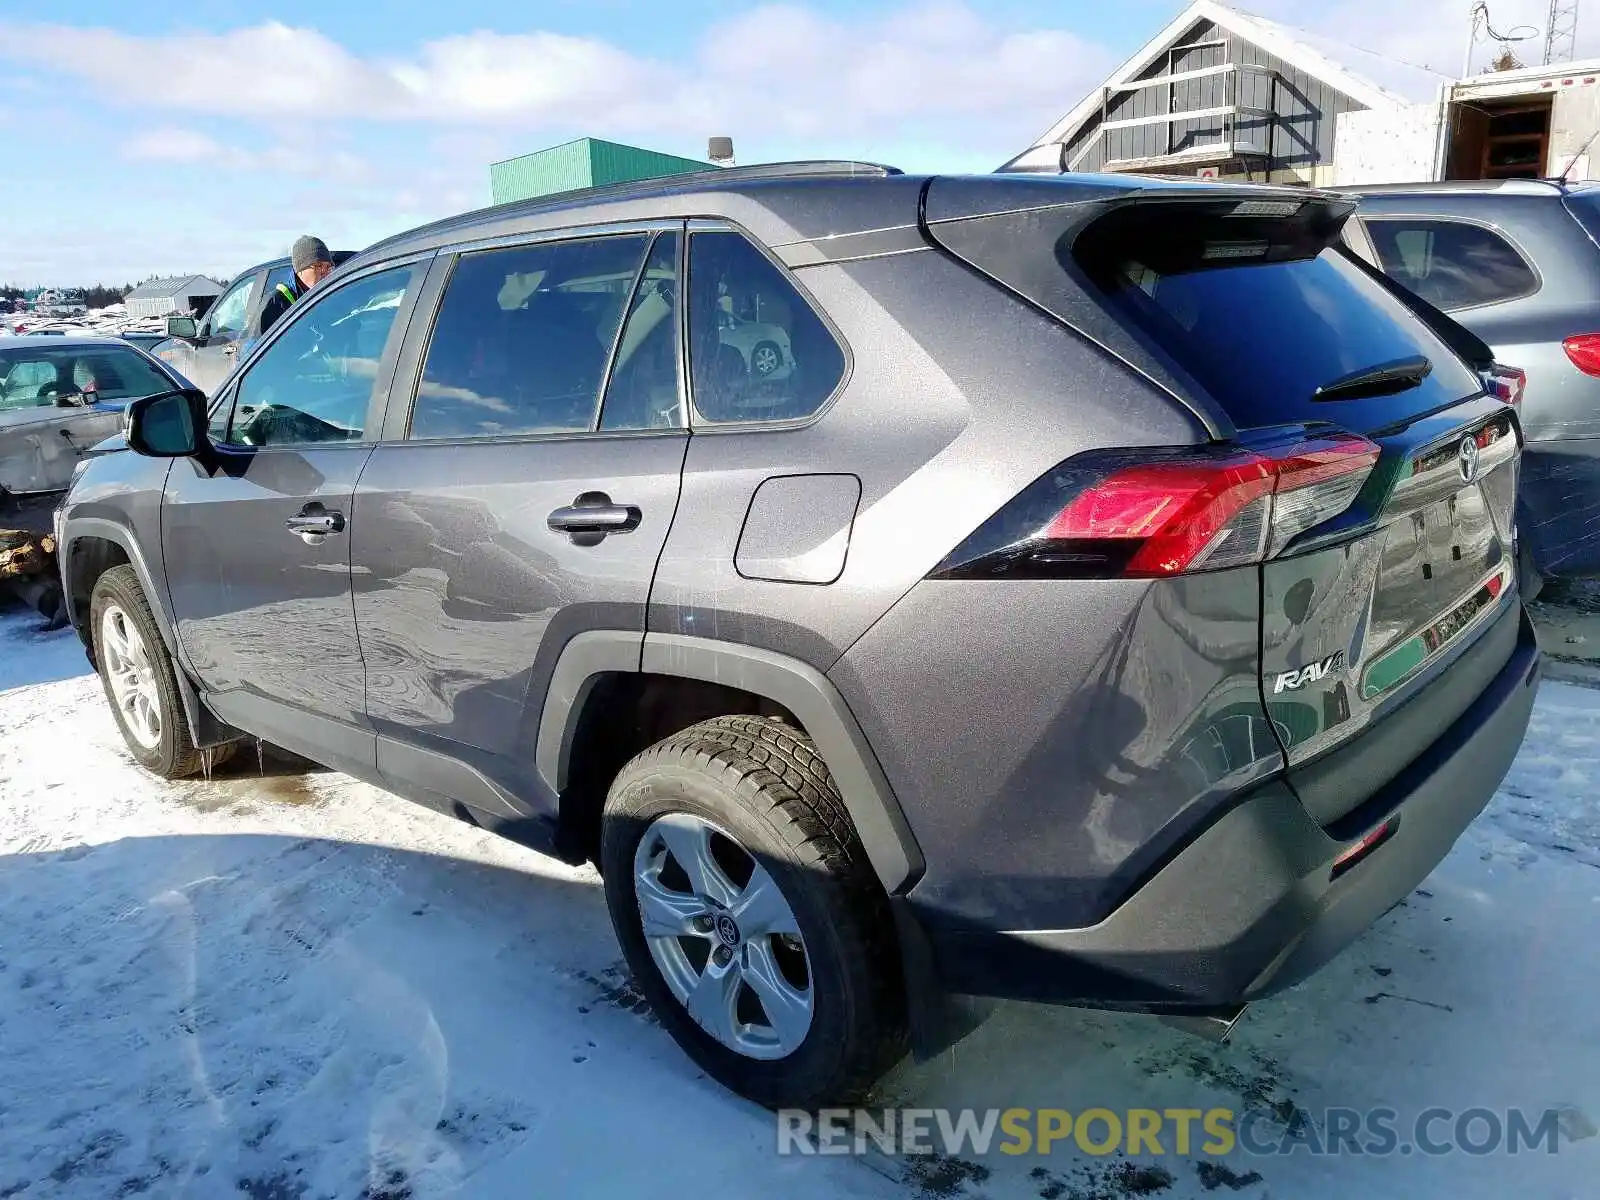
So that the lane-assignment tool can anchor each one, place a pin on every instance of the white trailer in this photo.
(1530, 123)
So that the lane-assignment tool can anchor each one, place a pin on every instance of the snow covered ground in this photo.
(281, 986)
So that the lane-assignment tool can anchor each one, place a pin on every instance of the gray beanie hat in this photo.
(308, 250)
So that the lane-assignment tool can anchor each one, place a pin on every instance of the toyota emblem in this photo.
(1467, 459)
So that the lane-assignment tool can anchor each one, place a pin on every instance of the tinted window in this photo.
(1262, 336)
(1585, 205)
(757, 350)
(523, 337)
(1451, 264)
(227, 315)
(314, 383)
(644, 388)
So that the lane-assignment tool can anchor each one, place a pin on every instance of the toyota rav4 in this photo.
(1110, 601)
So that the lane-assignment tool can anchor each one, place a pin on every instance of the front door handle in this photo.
(590, 517)
(314, 523)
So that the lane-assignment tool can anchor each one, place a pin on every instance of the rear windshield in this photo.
(1263, 331)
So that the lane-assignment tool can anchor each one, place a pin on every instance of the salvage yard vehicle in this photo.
(1516, 261)
(1113, 602)
(58, 398)
(205, 351)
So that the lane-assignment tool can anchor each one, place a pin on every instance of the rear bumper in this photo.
(1250, 905)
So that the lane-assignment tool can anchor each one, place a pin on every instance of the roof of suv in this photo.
(339, 257)
(1471, 187)
(815, 199)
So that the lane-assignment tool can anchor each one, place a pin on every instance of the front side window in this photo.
(523, 337)
(314, 383)
(226, 319)
(1451, 264)
(757, 350)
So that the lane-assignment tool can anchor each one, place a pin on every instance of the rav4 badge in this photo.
(1289, 681)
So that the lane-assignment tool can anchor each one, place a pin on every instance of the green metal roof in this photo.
(586, 162)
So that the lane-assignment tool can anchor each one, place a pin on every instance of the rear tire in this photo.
(140, 681)
(760, 799)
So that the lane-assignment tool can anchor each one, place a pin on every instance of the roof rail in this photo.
(1515, 187)
(801, 167)
(755, 172)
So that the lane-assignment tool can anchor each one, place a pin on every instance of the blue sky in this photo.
(157, 137)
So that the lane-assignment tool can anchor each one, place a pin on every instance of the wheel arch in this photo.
(91, 546)
(795, 688)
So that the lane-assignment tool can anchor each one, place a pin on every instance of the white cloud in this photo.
(785, 70)
(174, 146)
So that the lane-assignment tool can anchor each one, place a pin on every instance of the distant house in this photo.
(1225, 94)
(587, 162)
(191, 294)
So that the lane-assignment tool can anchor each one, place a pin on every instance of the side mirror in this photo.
(168, 424)
(182, 327)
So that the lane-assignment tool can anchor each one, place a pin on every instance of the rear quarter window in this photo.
(1585, 207)
(1451, 264)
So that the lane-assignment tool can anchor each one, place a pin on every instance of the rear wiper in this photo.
(1384, 379)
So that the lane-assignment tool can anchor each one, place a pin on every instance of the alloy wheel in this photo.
(723, 936)
(131, 672)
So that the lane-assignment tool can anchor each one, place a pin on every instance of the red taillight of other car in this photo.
(1154, 514)
(1505, 383)
(1584, 351)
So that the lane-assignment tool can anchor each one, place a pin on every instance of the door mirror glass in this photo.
(182, 327)
(167, 425)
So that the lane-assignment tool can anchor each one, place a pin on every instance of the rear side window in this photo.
(523, 337)
(1451, 264)
(1261, 323)
(757, 351)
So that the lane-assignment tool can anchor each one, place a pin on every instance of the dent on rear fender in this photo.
(1051, 740)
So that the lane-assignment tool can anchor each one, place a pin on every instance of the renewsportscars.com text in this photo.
(1183, 1132)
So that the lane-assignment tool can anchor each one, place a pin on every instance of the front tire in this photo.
(138, 676)
(749, 915)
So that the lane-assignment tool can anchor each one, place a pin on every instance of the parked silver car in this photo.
(60, 396)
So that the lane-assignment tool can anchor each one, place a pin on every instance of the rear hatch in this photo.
(1387, 548)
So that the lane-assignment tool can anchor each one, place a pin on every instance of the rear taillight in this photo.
(1584, 351)
(1505, 383)
(1157, 513)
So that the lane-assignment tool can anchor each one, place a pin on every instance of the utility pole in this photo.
(1561, 32)
(1479, 13)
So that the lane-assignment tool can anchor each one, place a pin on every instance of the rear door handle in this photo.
(314, 523)
(590, 517)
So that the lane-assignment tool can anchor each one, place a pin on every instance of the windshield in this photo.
(38, 376)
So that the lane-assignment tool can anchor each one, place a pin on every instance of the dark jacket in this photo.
(278, 301)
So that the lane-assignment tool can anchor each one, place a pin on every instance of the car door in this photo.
(521, 499)
(216, 349)
(256, 534)
(205, 359)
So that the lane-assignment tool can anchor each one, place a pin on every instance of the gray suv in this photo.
(1103, 593)
(1518, 263)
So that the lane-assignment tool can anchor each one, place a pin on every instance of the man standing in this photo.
(311, 263)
